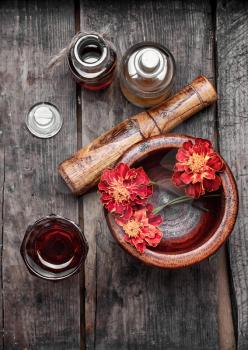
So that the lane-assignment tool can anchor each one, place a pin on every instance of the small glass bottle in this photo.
(147, 74)
(92, 61)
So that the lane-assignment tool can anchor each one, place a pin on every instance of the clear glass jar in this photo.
(147, 74)
(92, 61)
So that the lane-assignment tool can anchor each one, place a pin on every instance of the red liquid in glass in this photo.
(97, 87)
(54, 247)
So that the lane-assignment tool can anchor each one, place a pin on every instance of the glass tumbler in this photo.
(54, 248)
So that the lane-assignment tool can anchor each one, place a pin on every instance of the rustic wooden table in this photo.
(118, 303)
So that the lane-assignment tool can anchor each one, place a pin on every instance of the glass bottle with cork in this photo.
(147, 74)
(92, 61)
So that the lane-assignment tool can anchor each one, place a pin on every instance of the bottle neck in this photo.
(90, 55)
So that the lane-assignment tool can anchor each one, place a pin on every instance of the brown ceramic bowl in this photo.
(192, 231)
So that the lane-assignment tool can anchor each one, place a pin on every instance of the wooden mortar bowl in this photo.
(190, 234)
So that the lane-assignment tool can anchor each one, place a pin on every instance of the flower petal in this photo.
(140, 215)
(176, 179)
(180, 167)
(153, 242)
(141, 247)
(187, 145)
(155, 220)
(182, 155)
(209, 173)
(195, 190)
(215, 162)
(212, 185)
(122, 169)
(186, 178)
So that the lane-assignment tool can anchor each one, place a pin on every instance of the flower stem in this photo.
(153, 182)
(179, 200)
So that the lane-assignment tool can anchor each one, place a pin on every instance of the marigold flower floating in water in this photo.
(122, 188)
(197, 168)
(141, 228)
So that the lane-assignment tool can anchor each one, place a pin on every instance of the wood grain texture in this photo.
(37, 314)
(225, 319)
(232, 49)
(129, 305)
(2, 179)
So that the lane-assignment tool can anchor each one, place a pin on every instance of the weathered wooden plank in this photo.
(37, 314)
(225, 319)
(232, 29)
(129, 305)
(2, 170)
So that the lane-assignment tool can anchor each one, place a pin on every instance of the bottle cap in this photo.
(149, 63)
(44, 120)
(149, 60)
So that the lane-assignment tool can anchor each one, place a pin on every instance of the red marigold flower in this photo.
(197, 168)
(122, 188)
(141, 228)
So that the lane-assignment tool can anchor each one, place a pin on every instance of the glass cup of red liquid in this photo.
(54, 248)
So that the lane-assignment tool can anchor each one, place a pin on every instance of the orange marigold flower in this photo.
(123, 188)
(197, 168)
(141, 228)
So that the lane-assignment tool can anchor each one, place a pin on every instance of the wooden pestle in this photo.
(83, 170)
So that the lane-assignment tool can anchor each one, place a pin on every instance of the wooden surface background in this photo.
(117, 304)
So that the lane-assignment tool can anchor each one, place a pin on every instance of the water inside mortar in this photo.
(187, 225)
